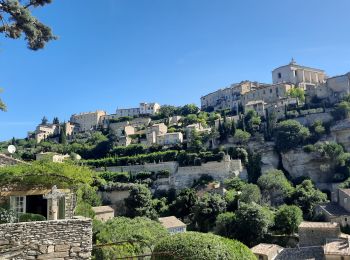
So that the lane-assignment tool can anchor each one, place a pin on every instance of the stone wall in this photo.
(60, 240)
(220, 171)
(149, 167)
(309, 119)
(317, 235)
(7, 160)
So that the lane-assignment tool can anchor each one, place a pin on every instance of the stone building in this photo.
(340, 133)
(103, 213)
(143, 109)
(317, 233)
(227, 98)
(338, 210)
(258, 106)
(43, 131)
(170, 138)
(88, 121)
(298, 75)
(36, 200)
(266, 251)
(173, 225)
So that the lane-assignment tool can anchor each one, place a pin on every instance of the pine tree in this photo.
(55, 121)
(44, 120)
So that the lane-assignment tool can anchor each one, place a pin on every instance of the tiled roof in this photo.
(334, 209)
(265, 249)
(171, 222)
(306, 224)
(302, 253)
(346, 191)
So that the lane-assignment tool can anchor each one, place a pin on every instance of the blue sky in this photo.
(116, 53)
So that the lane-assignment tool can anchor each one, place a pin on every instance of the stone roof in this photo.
(306, 224)
(334, 209)
(302, 253)
(337, 247)
(171, 222)
(266, 249)
(102, 209)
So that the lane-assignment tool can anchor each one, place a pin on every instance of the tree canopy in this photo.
(288, 218)
(290, 134)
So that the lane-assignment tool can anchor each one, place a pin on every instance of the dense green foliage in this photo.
(199, 246)
(306, 197)
(28, 217)
(250, 193)
(275, 187)
(42, 173)
(139, 202)
(290, 134)
(183, 203)
(206, 210)
(142, 234)
(287, 219)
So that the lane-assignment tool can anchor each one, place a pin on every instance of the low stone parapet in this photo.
(59, 239)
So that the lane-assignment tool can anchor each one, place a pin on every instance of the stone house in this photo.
(258, 106)
(170, 138)
(38, 200)
(266, 251)
(338, 210)
(42, 132)
(153, 131)
(174, 120)
(173, 224)
(196, 127)
(88, 120)
(317, 233)
(143, 109)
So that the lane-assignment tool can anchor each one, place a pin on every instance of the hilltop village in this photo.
(264, 167)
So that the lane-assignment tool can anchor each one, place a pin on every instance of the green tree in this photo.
(139, 203)
(44, 121)
(233, 127)
(252, 121)
(234, 183)
(290, 134)
(257, 218)
(250, 193)
(298, 93)
(254, 166)
(241, 137)
(224, 224)
(195, 144)
(206, 210)
(306, 197)
(287, 219)
(183, 203)
(189, 109)
(55, 121)
(166, 111)
(201, 246)
(341, 110)
(17, 20)
(271, 122)
(144, 232)
(275, 187)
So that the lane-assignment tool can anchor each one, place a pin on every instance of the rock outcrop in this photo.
(269, 157)
(313, 165)
(340, 133)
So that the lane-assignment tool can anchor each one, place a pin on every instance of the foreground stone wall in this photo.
(60, 240)
(7, 160)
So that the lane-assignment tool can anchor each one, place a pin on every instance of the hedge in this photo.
(200, 246)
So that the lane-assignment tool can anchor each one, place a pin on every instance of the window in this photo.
(18, 204)
(279, 75)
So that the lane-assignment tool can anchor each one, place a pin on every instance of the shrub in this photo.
(7, 216)
(290, 134)
(193, 245)
(115, 176)
(28, 217)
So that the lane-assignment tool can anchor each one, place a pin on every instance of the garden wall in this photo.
(309, 119)
(149, 167)
(59, 239)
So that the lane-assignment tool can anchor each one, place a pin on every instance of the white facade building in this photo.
(298, 75)
(170, 138)
(143, 109)
(173, 224)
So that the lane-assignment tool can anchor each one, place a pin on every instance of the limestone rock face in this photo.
(269, 157)
(299, 163)
(340, 133)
